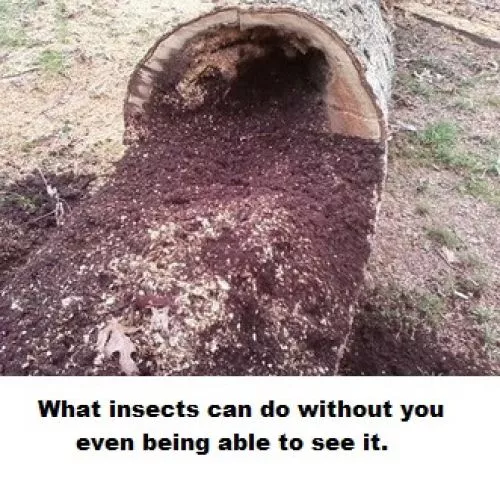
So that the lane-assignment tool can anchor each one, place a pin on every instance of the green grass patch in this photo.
(52, 61)
(408, 309)
(415, 86)
(438, 145)
(439, 140)
(444, 236)
(483, 188)
(13, 18)
(439, 135)
(13, 37)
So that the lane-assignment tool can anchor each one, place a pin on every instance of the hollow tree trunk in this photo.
(351, 33)
(233, 237)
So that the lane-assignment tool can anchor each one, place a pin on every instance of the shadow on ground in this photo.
(395, 335)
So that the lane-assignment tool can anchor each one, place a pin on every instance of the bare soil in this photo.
(421, 312)
(27, 216)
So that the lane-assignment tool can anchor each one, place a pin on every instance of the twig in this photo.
(443, 257)
(477, 31)
(41, 217)
(21, 73)
(59, 202)
(43, 177)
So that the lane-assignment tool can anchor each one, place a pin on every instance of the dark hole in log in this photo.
(239, 71)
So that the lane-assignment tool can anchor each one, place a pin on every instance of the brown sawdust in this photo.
(232, 239)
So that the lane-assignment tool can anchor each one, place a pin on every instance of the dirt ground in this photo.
(431, 304)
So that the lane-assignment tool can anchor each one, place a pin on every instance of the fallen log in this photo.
(233, 237)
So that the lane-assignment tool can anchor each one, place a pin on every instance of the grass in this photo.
(12, 35)
(473, 285)
(415, 86)
(484, 315)
(423, 209)
(483, 183)
(25, 203)
(471, 261)
(482, 188)
(61, 21)
(493, 101)
(28, 146)
(465, 104)
(492, 340)
(430, 307)
(408, 310)
(425, 62)
(444, 236)
(52, 61)
(13, 15)
(439, 135)
(438, 145)
(488, 318)
(472, 81)
(474, 277)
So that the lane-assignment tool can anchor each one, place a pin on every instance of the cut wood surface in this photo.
(353, 36)
(480, 32)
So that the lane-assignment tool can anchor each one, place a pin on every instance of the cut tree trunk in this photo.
(352, 35)
(234, 236)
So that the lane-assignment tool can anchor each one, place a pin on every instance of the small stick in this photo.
(21, 73)
(42, 217)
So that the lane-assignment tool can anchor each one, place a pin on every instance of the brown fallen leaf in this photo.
(113, 338)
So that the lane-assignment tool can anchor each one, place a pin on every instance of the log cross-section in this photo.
(352, 36)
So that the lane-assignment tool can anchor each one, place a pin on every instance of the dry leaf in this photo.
(112, 338)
